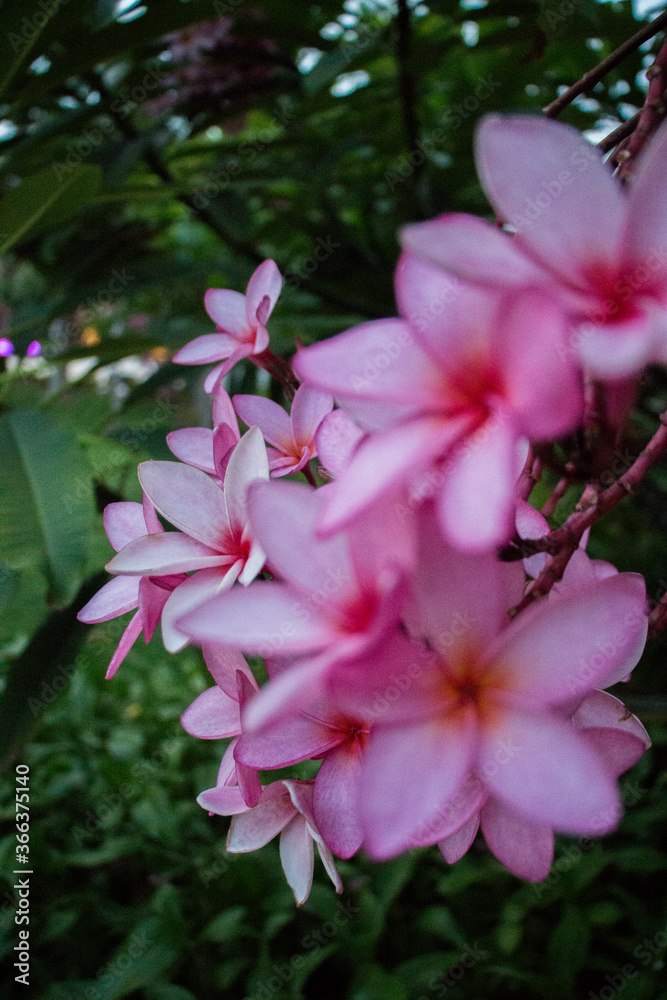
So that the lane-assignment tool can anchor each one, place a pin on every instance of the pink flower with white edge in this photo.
(125, 522)
(214, 539)
(321, 731)
(285, 808)
(450, 391)
(524, 847)
(489, 698)
(206, 449)
(215, 714)
(291, 437)
(335, 598)
(604, 251)
(241, 322)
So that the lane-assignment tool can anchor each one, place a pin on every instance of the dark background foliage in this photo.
(149, 152)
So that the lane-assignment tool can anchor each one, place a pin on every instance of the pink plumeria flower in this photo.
(489, 698)
(576, 230)
(125, 522)
(214, 539)
(322, 731)
(336, 440)
(215, 714)
(241, 322)
(292, 436)
(285, 808)
(524, 847)
(206, 449)
(450, 391)
(335, 598)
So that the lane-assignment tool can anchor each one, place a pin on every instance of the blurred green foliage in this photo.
(137, 171)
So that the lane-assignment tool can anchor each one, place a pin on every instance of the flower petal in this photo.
(195, 590)
(297, 858)
(546, 180)
(168, 552)
(454, 846)
(213, 715)
(247, 463)
(188, 498)
(115, 598)
(262, 292)
(127, 641)
(203, 350)
(267, 619)
(335, 799)
(336, 440)
(256, 827)
(526, 849)
(227, 309)
(309, 408)
(541, 767)
(558, 650)
(123, 522)
(272, 420)
(194, 446)
(408, 774)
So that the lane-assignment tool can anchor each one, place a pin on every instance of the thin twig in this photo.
(619, 133)
(558, 492)
(650, 116)
(588, 80)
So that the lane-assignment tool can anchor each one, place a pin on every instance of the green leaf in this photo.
(46, 501)
(45, 199)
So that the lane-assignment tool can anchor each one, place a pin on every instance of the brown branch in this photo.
(620, 133)
(530, 475)
(558, 492)
(593, 76)
(650, 116)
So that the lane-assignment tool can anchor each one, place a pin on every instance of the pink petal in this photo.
(170, 552)
(224, 662)
(542, 388)
(309, 408)
(336, 440)
(223, 410)
(203, 350)
(267, 619)
(646, 228)
(617, 735)
(473, 250)
(224, 441)
(287, 741)
(385, 460)
(284, 466)
(296, 689)
(541, 767)
(153, 523)
(188, 498)
(552, 186)
(454, 846)
(127, 640)
(619, 750)
(152, 598)
(194, 446)
(376, 360)
(526, 849)
(253, 564)
(227, 309)
(408, 774)
(123, 522)
(223, 800)
(283, 516)
(297, 858)
(256, 827)
(272, 420)
(451, 320)
(214, 377)
(115, 598)
(195, 590)
(247, 463)
(335, 799)
(262, 292)
(213, 715)
(458, 595)
(558, 650)
(615, 351)
(477, 498)
(454, 815)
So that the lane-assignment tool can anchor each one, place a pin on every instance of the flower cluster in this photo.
(421, 707)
